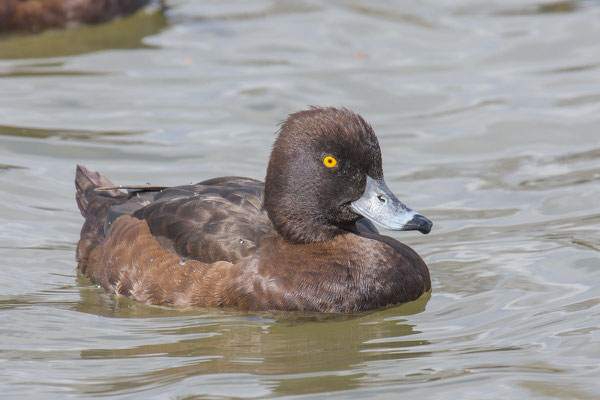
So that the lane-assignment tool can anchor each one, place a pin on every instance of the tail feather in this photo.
(94, 206)
(86, 181)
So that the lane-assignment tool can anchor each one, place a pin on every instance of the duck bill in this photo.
(381, 206)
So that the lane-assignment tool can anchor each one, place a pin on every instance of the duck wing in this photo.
(220, 219)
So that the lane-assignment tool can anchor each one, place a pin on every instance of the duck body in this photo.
(38, 15)
(296, 242)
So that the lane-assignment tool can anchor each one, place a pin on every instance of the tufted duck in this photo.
(38, 15)
(300, 241)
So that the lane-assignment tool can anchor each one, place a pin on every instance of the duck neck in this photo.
(295, 213)
(296, 224)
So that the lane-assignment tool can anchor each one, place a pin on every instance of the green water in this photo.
(488, 115)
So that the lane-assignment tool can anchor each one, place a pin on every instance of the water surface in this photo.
(488, 115)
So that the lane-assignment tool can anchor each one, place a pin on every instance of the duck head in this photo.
(325, 173)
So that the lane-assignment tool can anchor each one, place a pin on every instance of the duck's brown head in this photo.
(325, 173)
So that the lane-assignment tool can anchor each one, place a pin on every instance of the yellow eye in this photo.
(330, 162)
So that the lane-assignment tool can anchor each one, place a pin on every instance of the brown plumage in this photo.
(293, 243)
(38, 15)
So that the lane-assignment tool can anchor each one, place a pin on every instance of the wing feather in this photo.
(217, 220)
